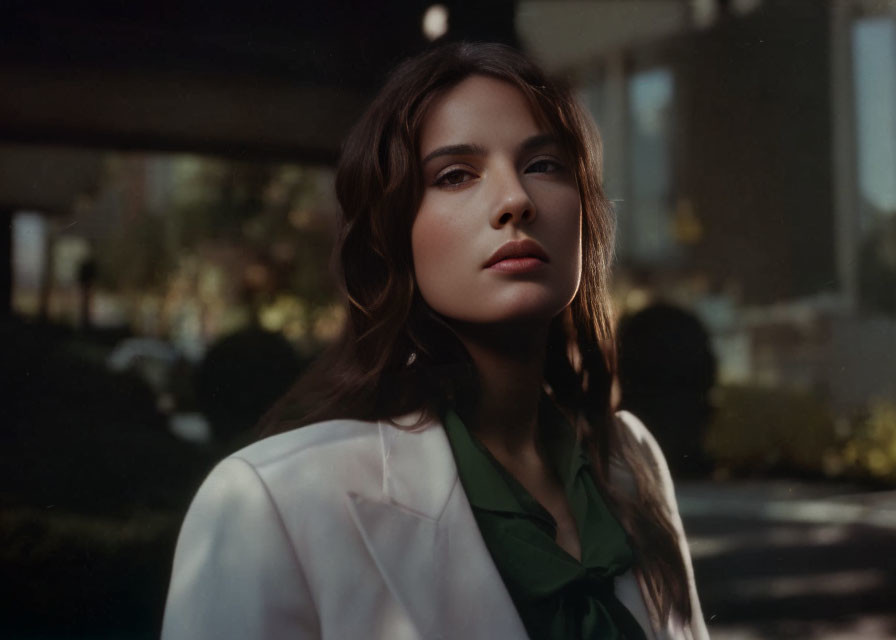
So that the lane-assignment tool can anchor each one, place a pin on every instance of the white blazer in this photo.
(350, 529)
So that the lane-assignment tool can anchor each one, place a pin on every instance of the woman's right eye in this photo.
(453, 178)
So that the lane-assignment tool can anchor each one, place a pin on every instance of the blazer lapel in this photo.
(424, 539)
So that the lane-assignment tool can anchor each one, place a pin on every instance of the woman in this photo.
(459, 472)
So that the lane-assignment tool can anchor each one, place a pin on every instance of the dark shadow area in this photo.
(789, 580)
(94, 483)
(666, 371)
(93, 489)
(240, 377)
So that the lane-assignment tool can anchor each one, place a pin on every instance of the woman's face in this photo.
(498, 236)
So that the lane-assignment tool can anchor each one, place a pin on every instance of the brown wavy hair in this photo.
(396, 356)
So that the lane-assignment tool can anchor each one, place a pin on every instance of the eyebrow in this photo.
(535, 142)
(455, 150)
(538, 141)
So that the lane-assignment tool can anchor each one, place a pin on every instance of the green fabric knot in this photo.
(557, 596)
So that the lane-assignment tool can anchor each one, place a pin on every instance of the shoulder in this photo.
(643, 450)
(330, 438)
(270, 484)
(635, 429)
(251, 545)
(327, 459)
(320, 458)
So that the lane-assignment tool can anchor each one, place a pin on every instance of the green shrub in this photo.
(760, 430)
(870, 448)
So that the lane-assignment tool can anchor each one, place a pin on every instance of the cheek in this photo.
(432, 247)
(566, 230)
(423, 242)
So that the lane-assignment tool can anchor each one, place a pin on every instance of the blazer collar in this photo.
(424, 540)
(419, 472)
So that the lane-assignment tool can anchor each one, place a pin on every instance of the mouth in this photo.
(517, 252)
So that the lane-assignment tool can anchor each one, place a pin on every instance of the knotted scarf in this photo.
(557, 596)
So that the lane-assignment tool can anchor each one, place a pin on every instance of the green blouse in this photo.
(557, 596)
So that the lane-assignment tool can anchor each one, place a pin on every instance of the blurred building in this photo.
(750, 150)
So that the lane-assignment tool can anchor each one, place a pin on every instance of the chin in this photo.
(540, 305)
(509, 305)
(523, 312)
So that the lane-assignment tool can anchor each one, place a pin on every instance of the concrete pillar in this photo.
(844, 152)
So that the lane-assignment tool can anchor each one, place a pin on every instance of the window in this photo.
(645, 224)
(874, 70)
(874, 60)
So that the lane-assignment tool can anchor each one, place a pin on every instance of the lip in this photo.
(522, 251)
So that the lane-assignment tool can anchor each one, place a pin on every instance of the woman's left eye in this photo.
(544, 165)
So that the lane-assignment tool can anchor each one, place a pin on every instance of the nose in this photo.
(513, 205)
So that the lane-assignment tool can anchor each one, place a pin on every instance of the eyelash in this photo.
(555, 165)
(442, 179)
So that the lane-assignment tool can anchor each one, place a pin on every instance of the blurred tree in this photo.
(276, 218)
(135, 257)
(870, 449)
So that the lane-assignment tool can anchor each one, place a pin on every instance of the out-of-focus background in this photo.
(166, 220)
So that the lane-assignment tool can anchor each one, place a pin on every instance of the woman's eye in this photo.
(454, 177)
(544, 166)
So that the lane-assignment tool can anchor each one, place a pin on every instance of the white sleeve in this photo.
(697, 626)
(236, 573)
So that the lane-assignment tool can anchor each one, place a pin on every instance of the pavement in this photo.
(781, 559)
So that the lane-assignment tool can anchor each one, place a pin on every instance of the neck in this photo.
(509, 362)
